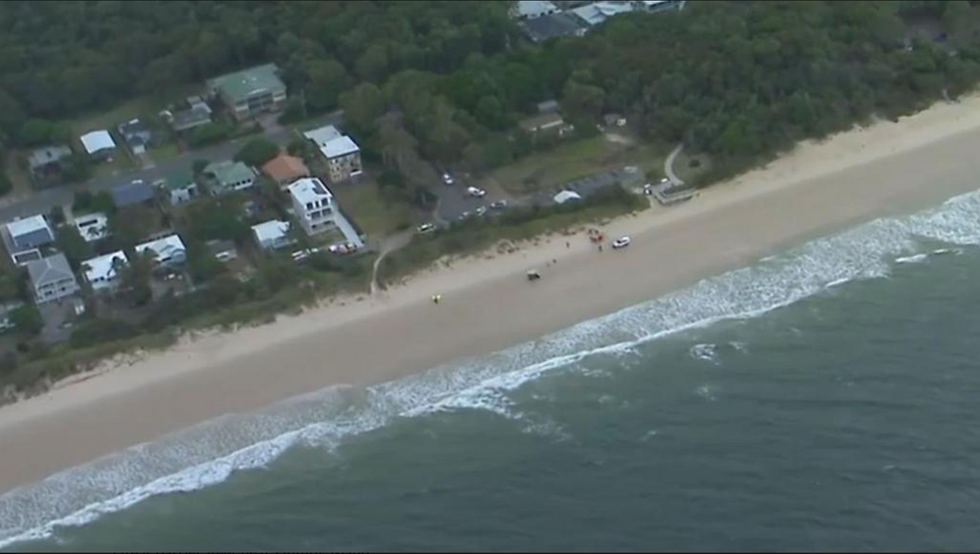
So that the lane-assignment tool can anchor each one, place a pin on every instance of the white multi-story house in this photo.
(314, 205)
(52, 279)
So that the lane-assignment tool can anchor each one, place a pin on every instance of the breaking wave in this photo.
(209, 453)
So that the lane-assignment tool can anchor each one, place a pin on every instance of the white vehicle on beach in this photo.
(476, 192)
(621, 243)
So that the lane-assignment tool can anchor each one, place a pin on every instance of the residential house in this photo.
(272, 235)
(99, 145)
(103, 273)
(250, 92)
(93, 227)
(45, 163)
(227, 177)
(656, 6)
(549, 106)
(132, 194)
(285, 169)
(137, 136)
(531, 9)
(313, 204)
(168, 252)
(51, 279)
(342, 154)
(599, 12)
(552, 26)
(222, 250)
(30, 233)
(552, 123)
(323, 135)
(197, 113)
(343, 159)
(181, 187)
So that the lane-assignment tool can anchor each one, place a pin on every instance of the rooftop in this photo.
(310, 190)
(162, 248)
(534, 8)
(132, 194)
(180, 179)
(594, 14)
(284, 168)
(229, 172)
(93, 227)
(271, 230)
(541, 121)
(47, 155)
(49, 270)
(323, 135)
(340, 146)
(133, 127)
(27, 225)
(552, 26)
(96, 141)
(104, 267)
(240, 85)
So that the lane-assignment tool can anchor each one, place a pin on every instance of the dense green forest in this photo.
(450, 79)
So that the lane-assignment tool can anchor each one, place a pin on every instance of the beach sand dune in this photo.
(488, 304)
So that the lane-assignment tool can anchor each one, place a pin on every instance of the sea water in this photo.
(824, 398)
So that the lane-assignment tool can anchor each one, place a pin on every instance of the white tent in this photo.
(566, 196)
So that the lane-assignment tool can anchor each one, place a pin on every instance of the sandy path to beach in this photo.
(488, 304)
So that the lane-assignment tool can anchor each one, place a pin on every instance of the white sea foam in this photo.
(705, 352)
(912, 259)
(209, 453)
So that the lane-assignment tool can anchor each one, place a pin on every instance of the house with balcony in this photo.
(51, 279)
(313, 204)
(250, 92)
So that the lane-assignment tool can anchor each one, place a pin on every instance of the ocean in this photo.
(821, 399)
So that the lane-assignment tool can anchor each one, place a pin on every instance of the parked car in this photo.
(447, 179)
(476, 192)
(498, 205)
(301, 255)
(621, 242)
(464, 216)
(481, 211)
(343, 249)
(425, 228)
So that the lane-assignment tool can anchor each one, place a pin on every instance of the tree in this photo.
(135, 281)
(580, 100)
(202, 265)
(69, 241)
(372, 66)
(28, 321)
(198, 166)
(76, 168)
(363, 106)
(5, 185)
(35, 132)
(328, 79)
(257, 152)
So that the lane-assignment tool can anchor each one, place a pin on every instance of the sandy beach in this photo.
(888, 168)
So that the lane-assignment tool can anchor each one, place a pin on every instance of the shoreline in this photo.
(885, 169)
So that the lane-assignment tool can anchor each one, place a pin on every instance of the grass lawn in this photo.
(164, 153)
(574, 160)
(110, 119)
(121, 163)
(369, 210)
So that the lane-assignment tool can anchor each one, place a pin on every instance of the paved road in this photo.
(37, 202)
(669, 165)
